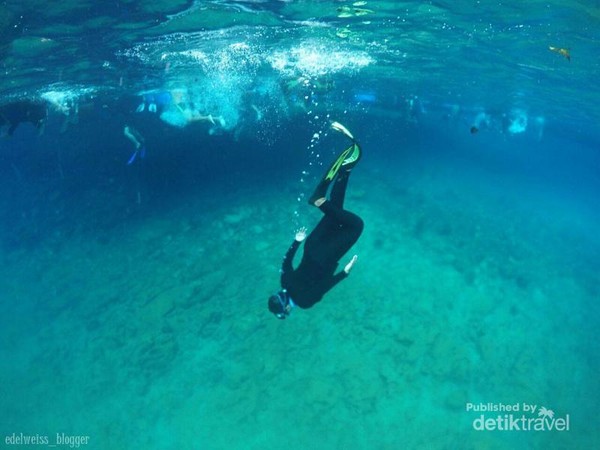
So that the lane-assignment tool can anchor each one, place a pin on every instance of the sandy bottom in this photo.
(157, 335)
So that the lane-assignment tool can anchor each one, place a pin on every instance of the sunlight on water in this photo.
(317, 59)
(214, 71)
(226, 51)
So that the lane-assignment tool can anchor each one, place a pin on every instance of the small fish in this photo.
(561, 51)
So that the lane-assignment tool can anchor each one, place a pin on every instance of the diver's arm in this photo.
(344, 273)
(286, 266)
(336, 279)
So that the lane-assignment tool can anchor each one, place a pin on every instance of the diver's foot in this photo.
(318, 202)
(320, 193)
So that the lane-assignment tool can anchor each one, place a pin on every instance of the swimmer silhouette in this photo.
(15, 113)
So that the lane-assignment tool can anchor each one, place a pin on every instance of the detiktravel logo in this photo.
(516, 417)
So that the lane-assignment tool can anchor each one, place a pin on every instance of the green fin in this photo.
(339, 162)
(354, 156)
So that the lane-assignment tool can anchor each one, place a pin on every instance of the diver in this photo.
(138, 141)
(333, 236)
(13, 114)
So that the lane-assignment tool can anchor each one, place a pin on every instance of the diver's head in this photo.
(281, 304)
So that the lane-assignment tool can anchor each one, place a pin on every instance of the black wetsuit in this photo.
(12, 114)
(333, 236)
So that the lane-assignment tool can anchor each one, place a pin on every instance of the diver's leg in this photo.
(320, 192)
(344, 162)
(338, 192)
(335, 234)
(337, 231)
(338, 216)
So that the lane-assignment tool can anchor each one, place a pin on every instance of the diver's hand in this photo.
(301, 234)
(350, 265)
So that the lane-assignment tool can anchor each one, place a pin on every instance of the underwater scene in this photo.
(294, 224)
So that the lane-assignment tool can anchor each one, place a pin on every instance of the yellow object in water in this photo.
(561, 51)
(346, 11)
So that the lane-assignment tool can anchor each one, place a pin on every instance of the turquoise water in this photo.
(133, 296)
